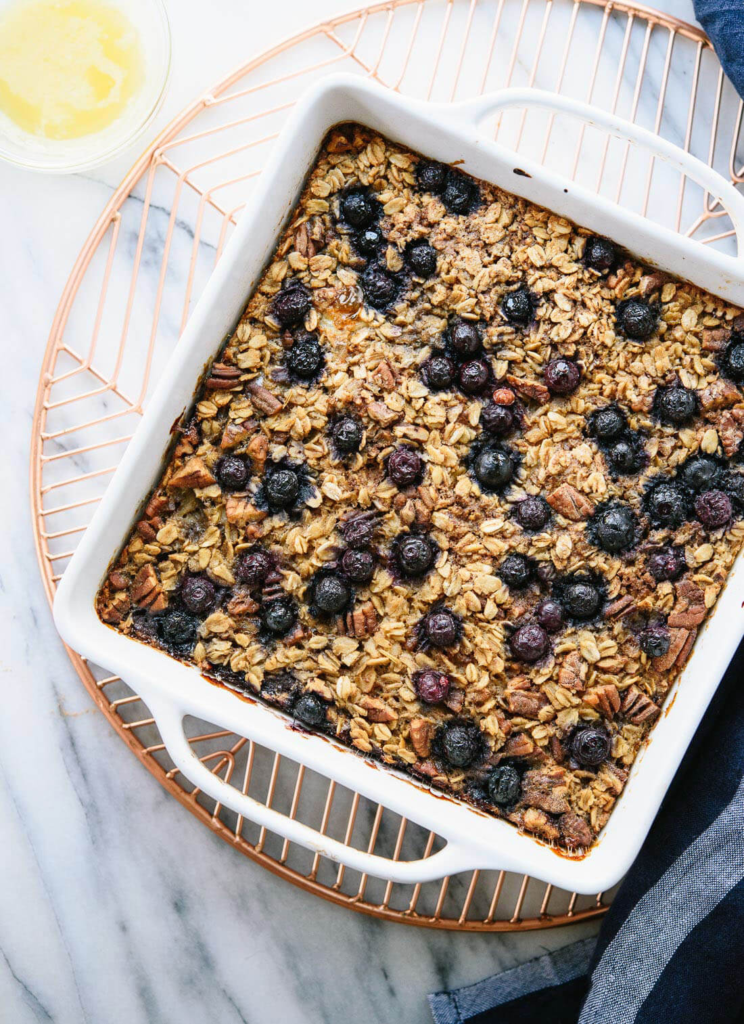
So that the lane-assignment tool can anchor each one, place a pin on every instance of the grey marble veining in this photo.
(115, 904)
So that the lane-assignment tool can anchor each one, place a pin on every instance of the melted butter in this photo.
(68, 68)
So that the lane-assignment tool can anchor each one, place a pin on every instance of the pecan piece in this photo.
(638, 706)
(731, 431)
(241, 603)
(263, 400)
(455, 700)
(116, 609)
(518, 746)
(385, 375)
(679, 649)
(605, 699)
(382, 414)
(223, 377)
(715, 338)
(689, 608)
(575, 831)
(234, 433)
(526, 704)
(146, 531)
(361, 622)
(147, 591)
(377, 710)
(258, 450)
(538, 821)
(504, 396)
(546, 789)
(530, 389)
(421, 733)
(118, 580)
(570, 503)
(572, 672)
(193, 473)
(719, 395)
(621, 606)
(238, 509)
(650, 283)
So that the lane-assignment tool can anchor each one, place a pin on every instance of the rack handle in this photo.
(475, 110)
(169, 719)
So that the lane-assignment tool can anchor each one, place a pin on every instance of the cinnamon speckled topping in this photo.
(439, 414)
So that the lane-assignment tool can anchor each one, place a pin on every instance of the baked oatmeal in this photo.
(460, 490)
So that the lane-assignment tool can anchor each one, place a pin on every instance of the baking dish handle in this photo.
(450, 860)
(473, 111)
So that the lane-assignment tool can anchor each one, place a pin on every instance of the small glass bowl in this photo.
(66, 156)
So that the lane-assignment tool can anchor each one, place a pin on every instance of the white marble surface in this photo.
(115, 904)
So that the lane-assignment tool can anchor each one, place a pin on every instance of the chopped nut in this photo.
(638, 706)
(193, 473)
(605, 699)
(258, 450)
(530, 389)
(377, 710)
(223, 377)
(547, 790)
(385, 375)
(422, 733)
(575, 830)
(263, 400)
(720, 394)
(361, 622)
(381, 414)
(504, 396)
(519, 746)
(538, 821)
(528, 705)
(715, 339)
(234, 433)
(681, 641)
(689, 609)
(573, 671)
(570, 503)
(622, 606)
(147, 591)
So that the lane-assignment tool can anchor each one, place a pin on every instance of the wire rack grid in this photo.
(155, 244)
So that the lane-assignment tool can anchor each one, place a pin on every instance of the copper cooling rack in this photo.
(152, 250)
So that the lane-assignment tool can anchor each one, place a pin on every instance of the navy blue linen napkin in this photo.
(671, 948)
(723, 20)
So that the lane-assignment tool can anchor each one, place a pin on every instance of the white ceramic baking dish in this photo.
(171, 689)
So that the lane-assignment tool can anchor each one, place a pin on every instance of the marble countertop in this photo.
(115, 904)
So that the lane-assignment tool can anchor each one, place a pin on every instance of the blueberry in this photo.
(358, 565)
(497, 420)
(292, 304)
(465, 338)
(431, 176)
(232, 473)
(608, 423)
(667, 564)
(665, 504)
(282, 487)
(439, 373)
(550, 615)
(253, 567)
(310, 710)
(700, 473)
(600, 254)
(359, 529)
(517, 571)
(380, 288)
(460, 193)
(581, 598)
(347, 434)
(305, 358)
(405, 467)
(533, 513)
(675, 405)
(562, 376)
(177, 628)
(494, 468)
(431, 686)
(627, 455)
(636, 319)
(461, 743)
(518, 306)
(714, 509)
(504, 785)
(590, 746)
(369, 240)
(530, 642)
(473, 376)
(614, 528)
(331, 594)
(441, 628)
(198, 594)
(414, 554)
(421, 258)
(732, 363)
(279, 616)
(357, 209)
(655, 641)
